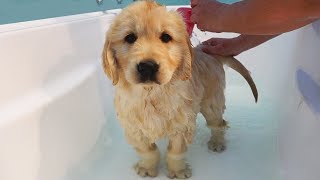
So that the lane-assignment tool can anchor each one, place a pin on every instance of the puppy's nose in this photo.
(147, 70)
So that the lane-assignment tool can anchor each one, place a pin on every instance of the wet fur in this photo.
(190, 82)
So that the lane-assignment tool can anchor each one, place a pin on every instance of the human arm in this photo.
(255, 17)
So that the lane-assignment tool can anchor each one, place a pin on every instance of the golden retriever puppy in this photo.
(162, 83)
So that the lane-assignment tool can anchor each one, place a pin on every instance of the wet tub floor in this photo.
(251, 154)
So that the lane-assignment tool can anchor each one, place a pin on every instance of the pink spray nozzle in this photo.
(186, 14)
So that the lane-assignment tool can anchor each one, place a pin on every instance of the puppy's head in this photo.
(147, 45)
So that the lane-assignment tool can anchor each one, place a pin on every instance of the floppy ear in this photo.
(185, 69)
(109, 63)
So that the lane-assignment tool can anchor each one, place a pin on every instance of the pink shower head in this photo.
(186, 14)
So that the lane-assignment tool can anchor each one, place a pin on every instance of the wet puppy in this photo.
(162, 83)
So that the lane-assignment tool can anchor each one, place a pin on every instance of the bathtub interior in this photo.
(252, 151)
(70, 130)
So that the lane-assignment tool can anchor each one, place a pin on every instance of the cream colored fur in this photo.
(190, 82)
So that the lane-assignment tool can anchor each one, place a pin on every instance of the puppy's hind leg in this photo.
(218, 126)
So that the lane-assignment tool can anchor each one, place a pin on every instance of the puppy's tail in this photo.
(237, 66)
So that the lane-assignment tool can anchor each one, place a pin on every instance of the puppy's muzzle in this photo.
(147, 70)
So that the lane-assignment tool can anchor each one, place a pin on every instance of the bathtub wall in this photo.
(53, 95)
(299, 138)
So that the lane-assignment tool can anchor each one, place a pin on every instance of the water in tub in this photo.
(251, 152)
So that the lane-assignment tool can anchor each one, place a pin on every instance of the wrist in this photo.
(240, 43)
(246, 42)
(221, 24)
(230, 18)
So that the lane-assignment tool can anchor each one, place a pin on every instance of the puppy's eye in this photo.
(165, 37)
(131, 38)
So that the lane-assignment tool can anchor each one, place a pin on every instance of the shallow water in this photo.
(251, 152)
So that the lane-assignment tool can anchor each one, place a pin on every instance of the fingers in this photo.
(194, 3)
(213, 41)
(194, 15)
(199, 15)
(196, 11)
(205, 14)
(196, 18)
(213, 49)
(201, 27)
(220, 48)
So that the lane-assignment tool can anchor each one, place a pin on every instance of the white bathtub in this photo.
(57, 119)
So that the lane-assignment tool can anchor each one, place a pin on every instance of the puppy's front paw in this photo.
(216, 146)
(181, 174)
(144, 172)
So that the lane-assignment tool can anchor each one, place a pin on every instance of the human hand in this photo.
(222, 46)
(205, 13)
(233, 46)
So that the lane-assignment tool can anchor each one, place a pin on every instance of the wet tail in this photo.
(237, 66)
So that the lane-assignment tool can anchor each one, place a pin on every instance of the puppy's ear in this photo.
(109, 63)
(185, 69)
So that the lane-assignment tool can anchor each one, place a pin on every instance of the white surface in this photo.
(51, 106)
(57, 119)
(300, 129)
